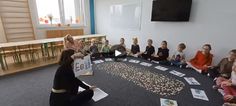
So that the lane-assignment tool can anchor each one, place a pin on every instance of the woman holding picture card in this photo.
(65, 85)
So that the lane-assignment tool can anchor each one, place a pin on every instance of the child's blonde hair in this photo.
(135, 39)
(66, 39)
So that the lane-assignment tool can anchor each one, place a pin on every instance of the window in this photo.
(60, 12)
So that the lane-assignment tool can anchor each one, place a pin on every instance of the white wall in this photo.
(212, 21)
(2, 33)
(40, 33)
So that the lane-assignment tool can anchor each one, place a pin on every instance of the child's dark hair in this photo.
(182, 46)
(165, 42)
(208, 45)
(150, 40)
(233, 51)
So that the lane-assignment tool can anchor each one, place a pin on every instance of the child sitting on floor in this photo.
(224, 68)
(229, 86)
(106, 47)
(105, 51)
(135, 50)
(202, 60)
(94, 50)
(162, 54)
(122, 42)
(149, 52)
(178, 57)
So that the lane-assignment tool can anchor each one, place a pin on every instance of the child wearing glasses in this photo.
(202, 60)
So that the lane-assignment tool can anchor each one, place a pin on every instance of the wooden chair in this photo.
(10, 52)
(24, 50)
(35, 51)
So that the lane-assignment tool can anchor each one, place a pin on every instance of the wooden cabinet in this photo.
(61, 33)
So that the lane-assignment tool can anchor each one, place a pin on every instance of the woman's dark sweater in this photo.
(65, 79)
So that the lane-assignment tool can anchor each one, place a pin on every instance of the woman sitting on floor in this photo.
(65, 84)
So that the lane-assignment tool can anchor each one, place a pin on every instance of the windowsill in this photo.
(61, 27)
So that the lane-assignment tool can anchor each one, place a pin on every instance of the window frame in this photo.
(80, 6)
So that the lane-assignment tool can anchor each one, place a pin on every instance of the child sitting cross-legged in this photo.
(135, 49)
(149, 52)
(229, 86)
(178, 58)
(224, 67)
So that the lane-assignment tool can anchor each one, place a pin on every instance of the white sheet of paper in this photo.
(83, 66)
(199, 94)
(108, 59)
(177, 73)
(134, 61)
(161, 68)
(98, 93)
(168, 102)
(191, 81)
(145, 64)
(98, 61)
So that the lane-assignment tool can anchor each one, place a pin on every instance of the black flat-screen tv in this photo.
(171, 10)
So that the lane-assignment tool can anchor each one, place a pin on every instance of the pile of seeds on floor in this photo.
(141, 76)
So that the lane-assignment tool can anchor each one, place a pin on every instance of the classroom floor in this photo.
(32, 88)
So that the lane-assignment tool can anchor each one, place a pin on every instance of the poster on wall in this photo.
(83, 66)
(126, 15)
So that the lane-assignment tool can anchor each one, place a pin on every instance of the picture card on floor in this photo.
(199, 94)
(145, 64)
(83, 66)
(98, 61)
(168, 102)
(125, 59)
(191, 81)
(98, 93)
(161, 68)
(134, 61)
(108, 59)
(177, 73)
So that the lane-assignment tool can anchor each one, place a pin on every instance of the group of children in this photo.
(224, 73)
